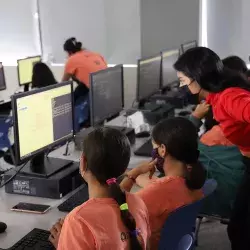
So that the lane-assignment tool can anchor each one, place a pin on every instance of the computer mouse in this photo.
(3, 227)
(184, 113)
(142, 134)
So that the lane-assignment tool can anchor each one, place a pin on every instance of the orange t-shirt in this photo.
(214, 137)
(163, 196)
(97, 224)
(83, 63)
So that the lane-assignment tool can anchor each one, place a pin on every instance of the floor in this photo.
(213, 236)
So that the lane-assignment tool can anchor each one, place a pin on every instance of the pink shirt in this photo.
(97, 224)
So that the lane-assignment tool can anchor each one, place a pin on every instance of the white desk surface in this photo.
(19, 224)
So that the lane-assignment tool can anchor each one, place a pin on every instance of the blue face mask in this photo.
(160, 160)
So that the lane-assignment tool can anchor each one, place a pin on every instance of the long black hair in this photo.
(205, 66)
(107, 152)
(72, 46)
(42, 76)
(235, 63)
(180, 138)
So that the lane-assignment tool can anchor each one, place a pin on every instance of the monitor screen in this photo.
(25, 69)
(106, 94)
(2, 78)
(149, 76)
(42, 119)
(188, 45)
(169, 75)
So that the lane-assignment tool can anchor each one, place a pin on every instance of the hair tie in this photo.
(111, 181)
(134, 233)
(124, 207)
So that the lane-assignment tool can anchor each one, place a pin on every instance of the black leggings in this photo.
(239, 226)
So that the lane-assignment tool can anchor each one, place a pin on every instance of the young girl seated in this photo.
(111, 218)
(176, 146)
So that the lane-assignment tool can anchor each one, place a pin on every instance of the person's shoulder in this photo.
(234, 91)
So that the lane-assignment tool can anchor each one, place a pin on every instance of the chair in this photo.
(181, 222)
(209, 187)
(81, 112)
(5, 123)
(186, 242)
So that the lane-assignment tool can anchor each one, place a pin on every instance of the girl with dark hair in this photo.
(175, 143)
(111, 218)
(228, 92)
(42, 76)
(80, 64)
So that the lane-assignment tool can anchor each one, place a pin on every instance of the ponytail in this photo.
(195, 176)
(72, 45)
(120, 197)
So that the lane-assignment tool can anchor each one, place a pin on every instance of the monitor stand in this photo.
(41, 166)
(26, 88)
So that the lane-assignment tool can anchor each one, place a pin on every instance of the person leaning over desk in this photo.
(80, 64)
(228, 92)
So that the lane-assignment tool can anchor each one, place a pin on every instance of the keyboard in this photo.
(75, 200)
(145, 149)
(37, 239)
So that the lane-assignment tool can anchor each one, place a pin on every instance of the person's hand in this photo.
(147, 167)
(55, 232)
(201, 110)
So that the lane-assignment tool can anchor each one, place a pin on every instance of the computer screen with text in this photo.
(43, 118)
(2, 78)
(149, 73)
(106, 92)
(25, 69)
(169, 74)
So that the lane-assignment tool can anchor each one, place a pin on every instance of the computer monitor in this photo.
(106, 94)
(188, 45)
(149, 76)
(43, 119)
(169, 75)
(2, 78)
(25, 69)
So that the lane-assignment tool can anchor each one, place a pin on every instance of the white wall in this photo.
(123, 31)
(166, 24)
(18, 30)
(62, 19)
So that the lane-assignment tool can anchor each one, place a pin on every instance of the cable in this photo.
(14, 175)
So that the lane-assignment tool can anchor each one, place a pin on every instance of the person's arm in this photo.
(66, 77)
(198, 114)
(130, 177)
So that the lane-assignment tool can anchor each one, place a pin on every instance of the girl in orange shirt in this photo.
(111, 218)
(175, 143)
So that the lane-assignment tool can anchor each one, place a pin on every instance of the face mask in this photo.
(160, 160)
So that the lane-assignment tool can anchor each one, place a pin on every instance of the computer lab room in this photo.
(124, 125)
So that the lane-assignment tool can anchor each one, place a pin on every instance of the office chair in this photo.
(182, 221)
(5, 124)
(186, 242)
(208, 189)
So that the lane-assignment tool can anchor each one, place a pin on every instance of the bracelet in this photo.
(130, 177)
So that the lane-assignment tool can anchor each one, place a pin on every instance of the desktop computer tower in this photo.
(53, 187)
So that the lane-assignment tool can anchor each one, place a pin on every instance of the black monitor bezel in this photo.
(14, 98)
(18, 73)
(162, 52)
(91, 94)
(4, 87)
(138, 99)
(185, 44)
